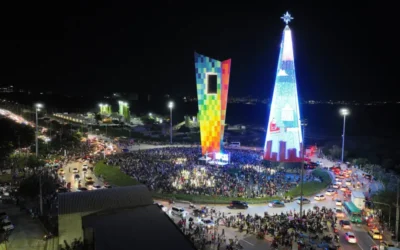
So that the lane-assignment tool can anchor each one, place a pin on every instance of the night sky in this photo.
(341, 51)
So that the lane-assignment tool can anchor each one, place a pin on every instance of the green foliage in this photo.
(29, 187)
(113, 175)
(184, 129)
(20, 161)
(312, 187)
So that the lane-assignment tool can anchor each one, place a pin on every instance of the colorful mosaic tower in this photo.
(212, 81)
(284, 138)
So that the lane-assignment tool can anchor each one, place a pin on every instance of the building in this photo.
(212, 81)
(6, 88)
(117, 218)
(283, 142)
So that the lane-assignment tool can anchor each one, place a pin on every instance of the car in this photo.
(350, 237)
(239, 205)
(339, 182)
(178, 211)
(345, 224)
(375, 234)
(62, 190)
(335, 185)
(339, 213)
(7, 226)
(107, 186)
(77, 177)
(84, 170)
(276, 203)
(344, 188)
(84, 166)
(305, 201)
(89, 184)
(82, 189)
(88, 178)
(349, 183)
(339, 202)
(96, 187)
(61, 171)
(387, 244)
(207, 222)
(75, 170)
(330, 192)
(162, 207)
(319, 197)
(199, 213)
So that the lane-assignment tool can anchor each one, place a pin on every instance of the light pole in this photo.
(37, 109)
(397, 210)
(170, 106)
(344, 112)
(303, 124)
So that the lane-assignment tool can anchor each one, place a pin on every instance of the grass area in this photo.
(113, 175)
(313, 187)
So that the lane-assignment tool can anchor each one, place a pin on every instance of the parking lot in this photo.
(28, 232)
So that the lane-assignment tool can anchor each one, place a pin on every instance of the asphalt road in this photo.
(69, 175)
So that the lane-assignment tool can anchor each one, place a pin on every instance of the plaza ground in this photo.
(28, 232)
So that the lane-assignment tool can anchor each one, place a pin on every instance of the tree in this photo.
(98, 117)
(30, 188)
(335, 152)
(184, 129)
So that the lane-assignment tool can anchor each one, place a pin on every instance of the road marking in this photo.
(251, 244)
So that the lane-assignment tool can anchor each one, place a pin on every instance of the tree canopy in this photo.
(14, 135)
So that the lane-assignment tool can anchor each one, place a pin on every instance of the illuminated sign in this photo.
(222, 157)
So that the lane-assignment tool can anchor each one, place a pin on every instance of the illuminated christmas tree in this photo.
(283, 142)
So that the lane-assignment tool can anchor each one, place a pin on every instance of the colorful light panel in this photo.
(212, 102)
(283, 142)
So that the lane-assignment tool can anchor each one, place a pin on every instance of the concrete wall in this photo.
(70, 227)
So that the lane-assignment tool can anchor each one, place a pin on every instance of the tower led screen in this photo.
(212, 82)
(283, 142)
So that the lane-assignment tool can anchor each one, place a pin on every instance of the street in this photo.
(70, 176)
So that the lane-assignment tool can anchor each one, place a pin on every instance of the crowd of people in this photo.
(180, 170)
(315, 229)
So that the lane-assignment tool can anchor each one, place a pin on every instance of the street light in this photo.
(170, 106)
(38, 106)
(303, 124)
(150, 114)
(344, 112)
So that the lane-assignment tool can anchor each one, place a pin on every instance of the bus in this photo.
(353, 212)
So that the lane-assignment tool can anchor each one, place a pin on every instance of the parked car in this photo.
(8, 226)
(330, 192)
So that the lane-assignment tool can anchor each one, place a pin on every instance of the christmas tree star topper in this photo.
(287, 18)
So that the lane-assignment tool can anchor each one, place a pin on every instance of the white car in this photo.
(330, 192)
(339, 182)
(94, 187)
(335, 185)
(85, 166)
(348, 183)
(8, 226)
(207, 222)
(350, 237)
(319, 197)
(339, 213)
(339, 203)
(75, 170)
(343, 188)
